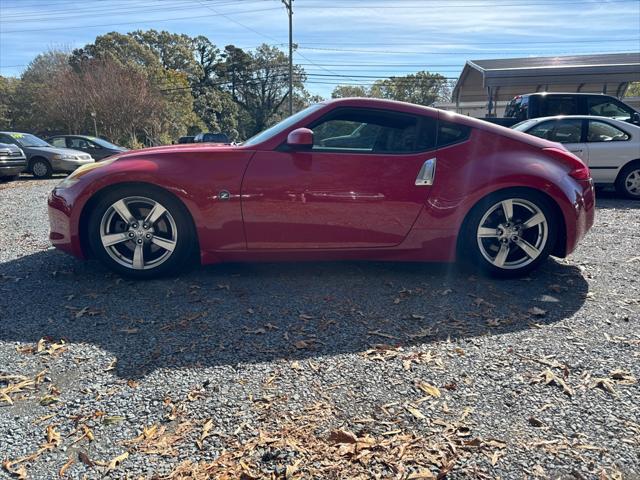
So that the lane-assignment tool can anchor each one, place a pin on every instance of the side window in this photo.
(563, 131)
(607, 107)
(603, 132)
(552, 105)
(375, 131)
(449, 133)
(79, 143)
(58, 142)
(517, 108)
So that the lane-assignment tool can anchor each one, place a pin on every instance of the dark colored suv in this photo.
(545, 104)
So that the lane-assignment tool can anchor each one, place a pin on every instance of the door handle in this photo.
(427, 173)
(576, 151)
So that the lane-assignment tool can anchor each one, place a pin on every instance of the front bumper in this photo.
(63, 225)
(69, 166)
(12, 166)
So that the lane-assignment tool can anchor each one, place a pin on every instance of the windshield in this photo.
(28, 140)
(105, 144)
(280, 127)
(523, 126)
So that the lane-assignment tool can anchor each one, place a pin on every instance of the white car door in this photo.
(567, 131)
(610, 148)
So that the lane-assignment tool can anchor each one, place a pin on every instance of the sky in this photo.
(339, 41)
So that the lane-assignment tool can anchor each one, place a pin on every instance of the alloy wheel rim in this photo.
(39, 169)
(512, 233)
(632, 182)
(138, 233)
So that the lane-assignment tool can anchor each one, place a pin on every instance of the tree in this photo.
(31, 108)
(8, 87)
(422, 88)
(344, 91)
(257, 82)
(633, 90)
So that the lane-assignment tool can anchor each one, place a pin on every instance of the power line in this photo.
(134, 23)
(475, 5)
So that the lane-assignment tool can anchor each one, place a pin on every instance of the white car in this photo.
(610, 147)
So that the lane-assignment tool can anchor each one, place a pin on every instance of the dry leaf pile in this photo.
(302, 447)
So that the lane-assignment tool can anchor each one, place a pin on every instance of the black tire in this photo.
(184, 245)
(469, 249)
(622, 185)
(40, 168)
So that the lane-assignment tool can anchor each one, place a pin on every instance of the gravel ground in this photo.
(318, 370)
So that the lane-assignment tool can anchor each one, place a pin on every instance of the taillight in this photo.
(578, 169)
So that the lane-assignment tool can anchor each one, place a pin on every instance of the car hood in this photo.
(181, 148)
(53, 151)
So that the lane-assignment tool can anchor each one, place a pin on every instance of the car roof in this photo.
(565, 93)
(618, 123)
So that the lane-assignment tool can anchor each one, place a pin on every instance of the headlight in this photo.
(58, 156)
(73, 178)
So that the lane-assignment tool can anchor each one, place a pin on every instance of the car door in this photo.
(568, 131)
(78, 143)
(340, 194)
(610, 148)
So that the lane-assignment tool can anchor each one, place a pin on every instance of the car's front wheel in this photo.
(510, 233)
(41, 168)
(141, 232)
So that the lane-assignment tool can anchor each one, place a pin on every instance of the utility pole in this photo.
(289, 5)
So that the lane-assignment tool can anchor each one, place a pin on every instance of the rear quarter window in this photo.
(450, 133)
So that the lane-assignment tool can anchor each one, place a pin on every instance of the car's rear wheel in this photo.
(41, 168)
(510, 233)
(141, 232)
(628, 181)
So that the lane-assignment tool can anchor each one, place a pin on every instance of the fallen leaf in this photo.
(342, 436)
(537, 312)
(415, 412)
(206, 428)
(117, 461)
(65, 467)
(112, 419)
(429, 389)
(84, 458)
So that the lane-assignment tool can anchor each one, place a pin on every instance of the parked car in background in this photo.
(209, 137)
(187, 139)
(44, 159)
(427, 186)
(94, 146)
(546, 104)
(12, 161)
(610, 147)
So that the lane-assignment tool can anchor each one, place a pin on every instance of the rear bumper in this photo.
(63, 227)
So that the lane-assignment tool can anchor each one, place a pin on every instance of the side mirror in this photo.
(635, 118)
(300, 138)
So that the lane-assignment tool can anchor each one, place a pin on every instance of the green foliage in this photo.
(422, 88)
(8, 88)
(633, 90)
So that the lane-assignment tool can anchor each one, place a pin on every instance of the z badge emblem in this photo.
(224, 195)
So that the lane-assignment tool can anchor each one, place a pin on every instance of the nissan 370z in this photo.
(349, 179)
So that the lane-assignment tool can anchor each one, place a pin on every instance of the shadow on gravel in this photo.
(249, 313)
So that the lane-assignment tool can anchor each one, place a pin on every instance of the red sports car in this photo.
(344, 179)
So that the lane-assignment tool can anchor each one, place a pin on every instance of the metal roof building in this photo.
(496, 81)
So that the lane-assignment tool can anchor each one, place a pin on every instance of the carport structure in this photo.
(494, 82)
